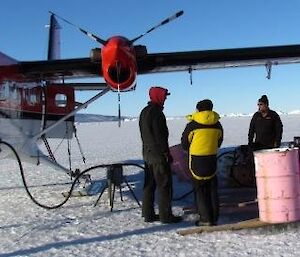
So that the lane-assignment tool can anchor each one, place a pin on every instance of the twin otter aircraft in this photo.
(37, 102)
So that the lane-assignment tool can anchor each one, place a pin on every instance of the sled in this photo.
(235, 166)
(238, 210)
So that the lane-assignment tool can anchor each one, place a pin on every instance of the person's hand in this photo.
(250, 146)
(169, 157)
(276, 144)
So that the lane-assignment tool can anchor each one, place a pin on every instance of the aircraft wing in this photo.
(165, 62)
(222, 58)
(62, 68)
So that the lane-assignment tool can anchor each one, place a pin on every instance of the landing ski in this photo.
(93, 188)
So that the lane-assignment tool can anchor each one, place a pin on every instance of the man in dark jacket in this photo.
(266, 126)
(155, 134)
(202, 137)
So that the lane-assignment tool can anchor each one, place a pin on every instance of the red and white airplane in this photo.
(37, 102)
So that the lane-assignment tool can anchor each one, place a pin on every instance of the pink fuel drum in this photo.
(278, 185)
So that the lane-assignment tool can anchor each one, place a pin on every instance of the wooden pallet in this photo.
(192, 209)
(246, 224)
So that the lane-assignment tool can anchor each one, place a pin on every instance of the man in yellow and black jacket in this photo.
(202, 137)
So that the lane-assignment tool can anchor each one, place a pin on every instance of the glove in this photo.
(251, 146)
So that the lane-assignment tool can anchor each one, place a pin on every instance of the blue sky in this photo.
(206, 24)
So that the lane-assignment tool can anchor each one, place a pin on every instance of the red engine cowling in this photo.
(119, 64)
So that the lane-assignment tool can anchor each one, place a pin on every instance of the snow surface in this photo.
(80, 229)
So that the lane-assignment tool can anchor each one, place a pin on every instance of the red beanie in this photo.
(158, 95)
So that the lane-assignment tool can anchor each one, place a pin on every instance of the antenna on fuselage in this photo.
(89, 34)
(165, 21)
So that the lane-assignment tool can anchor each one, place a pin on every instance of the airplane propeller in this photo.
(130, 42)
(173, 17)
(89, 34)
(103, 42)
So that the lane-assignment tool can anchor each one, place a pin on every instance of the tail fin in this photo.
(54, 39)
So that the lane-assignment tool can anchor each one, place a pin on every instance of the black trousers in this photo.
(207, 199)
(157, 176)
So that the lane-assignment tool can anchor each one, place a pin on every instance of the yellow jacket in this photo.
(202, 138)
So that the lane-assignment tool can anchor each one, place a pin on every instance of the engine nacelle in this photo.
(119, 64)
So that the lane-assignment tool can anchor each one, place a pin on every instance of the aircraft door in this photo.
(59, 101)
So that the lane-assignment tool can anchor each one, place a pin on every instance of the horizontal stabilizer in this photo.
(6, 60)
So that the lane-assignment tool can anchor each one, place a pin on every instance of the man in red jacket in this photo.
(155, 135)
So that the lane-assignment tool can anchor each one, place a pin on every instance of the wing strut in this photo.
(191, 75)
(269, 69)
(83, 106)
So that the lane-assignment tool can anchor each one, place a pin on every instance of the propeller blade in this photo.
(90, 35)
(173, 17)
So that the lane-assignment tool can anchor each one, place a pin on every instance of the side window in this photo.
(3, 92)
(32, 97)
(61, 100)
(14, 93)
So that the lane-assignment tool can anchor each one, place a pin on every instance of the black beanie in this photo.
(264, 99)
(204, 105)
